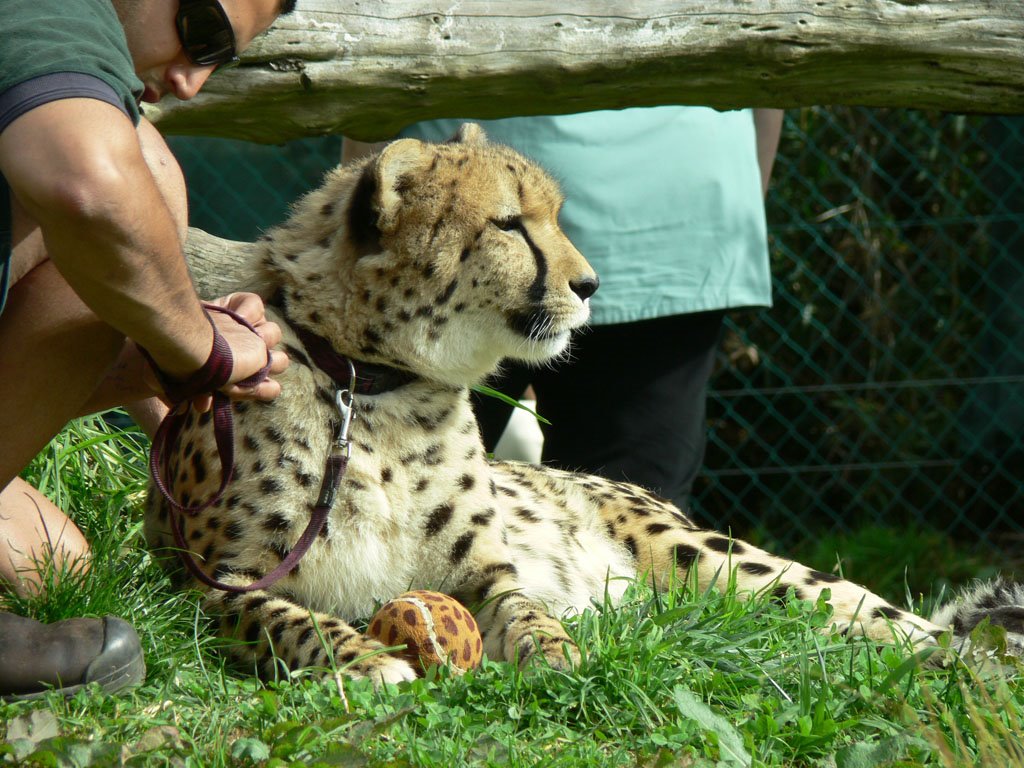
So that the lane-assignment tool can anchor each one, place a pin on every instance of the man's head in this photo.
(154, 29)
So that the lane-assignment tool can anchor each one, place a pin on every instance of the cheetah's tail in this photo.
(999, 600)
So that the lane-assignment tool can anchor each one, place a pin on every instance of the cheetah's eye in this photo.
(508, 223)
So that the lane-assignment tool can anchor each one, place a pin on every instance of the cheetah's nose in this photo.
(584, 287)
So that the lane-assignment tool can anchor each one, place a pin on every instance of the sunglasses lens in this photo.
(205, 32)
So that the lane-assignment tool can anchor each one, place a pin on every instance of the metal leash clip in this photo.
(344, 400)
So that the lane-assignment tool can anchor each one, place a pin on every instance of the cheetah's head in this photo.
(442, 259)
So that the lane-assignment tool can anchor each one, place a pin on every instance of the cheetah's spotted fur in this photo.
(440, 260)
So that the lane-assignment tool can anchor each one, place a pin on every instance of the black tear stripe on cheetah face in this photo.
(439, 260)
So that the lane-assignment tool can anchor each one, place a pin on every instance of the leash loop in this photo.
(209, 379)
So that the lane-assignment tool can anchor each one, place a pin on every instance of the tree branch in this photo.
(366, 69)
(218, 266)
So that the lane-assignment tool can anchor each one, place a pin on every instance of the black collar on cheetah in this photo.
(369, 378)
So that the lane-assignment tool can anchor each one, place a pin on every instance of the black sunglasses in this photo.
(206, 34)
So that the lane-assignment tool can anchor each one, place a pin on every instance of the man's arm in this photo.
(77, 167)
(768, 127)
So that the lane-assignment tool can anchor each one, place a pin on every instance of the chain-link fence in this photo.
(887, 382)
(236, 189)
(886, 385)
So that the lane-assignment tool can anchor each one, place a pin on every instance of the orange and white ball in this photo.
(435, 628)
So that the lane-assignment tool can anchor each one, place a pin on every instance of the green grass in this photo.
(673, 679)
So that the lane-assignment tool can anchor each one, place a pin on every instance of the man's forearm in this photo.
(126, 265)
(107, 227)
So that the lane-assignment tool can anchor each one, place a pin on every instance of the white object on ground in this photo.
(522, 439)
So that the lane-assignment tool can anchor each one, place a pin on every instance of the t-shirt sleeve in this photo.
(26, 96)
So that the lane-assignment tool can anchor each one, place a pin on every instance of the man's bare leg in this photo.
(35, 531)
(55, 353)
(120, 387)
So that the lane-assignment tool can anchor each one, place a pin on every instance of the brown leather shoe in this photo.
(66, 656)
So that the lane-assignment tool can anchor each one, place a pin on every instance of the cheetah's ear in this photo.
(469, 133)
(397, 164)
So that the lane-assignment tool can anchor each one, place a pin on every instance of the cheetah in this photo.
(417, 271)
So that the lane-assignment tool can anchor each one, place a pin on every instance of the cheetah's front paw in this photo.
(396, 670)
(379, 667)
(557, 651)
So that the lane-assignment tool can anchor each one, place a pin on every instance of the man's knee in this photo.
(36, 537)
(167, 172)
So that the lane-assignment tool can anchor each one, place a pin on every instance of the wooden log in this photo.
(368, 68)
(218, 266)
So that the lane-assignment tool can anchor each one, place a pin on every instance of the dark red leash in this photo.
(208, 380)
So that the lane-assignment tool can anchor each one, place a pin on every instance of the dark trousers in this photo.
(629, 405)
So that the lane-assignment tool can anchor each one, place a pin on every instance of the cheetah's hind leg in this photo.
(514, 626)
(669, 546)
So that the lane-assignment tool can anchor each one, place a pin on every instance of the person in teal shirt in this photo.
(667, 205)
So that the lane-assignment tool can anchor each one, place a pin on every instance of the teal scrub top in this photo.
(665, 203)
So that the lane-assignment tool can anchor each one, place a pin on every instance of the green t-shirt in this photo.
(47, 37)
(665, 203)
(41, 37)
